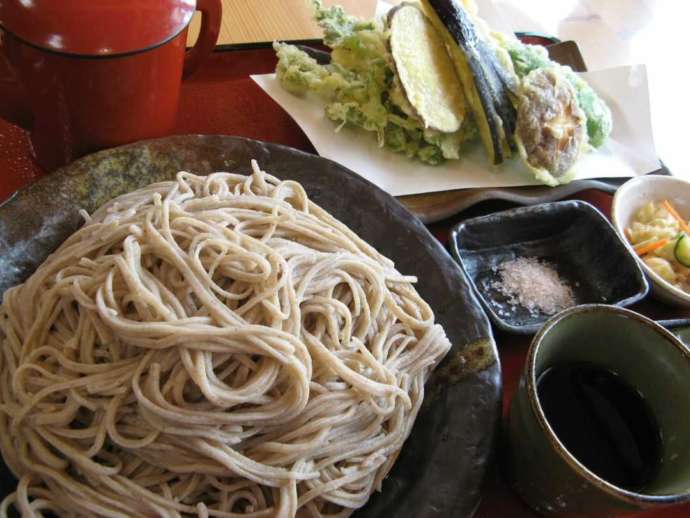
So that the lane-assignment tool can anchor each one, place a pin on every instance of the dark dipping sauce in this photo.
(603, 422)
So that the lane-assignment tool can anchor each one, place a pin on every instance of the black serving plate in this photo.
(443, 463)
(573, 236)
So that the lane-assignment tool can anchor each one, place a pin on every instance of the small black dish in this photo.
(572, 236)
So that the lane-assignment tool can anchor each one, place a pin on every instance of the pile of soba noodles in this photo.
(210, 346)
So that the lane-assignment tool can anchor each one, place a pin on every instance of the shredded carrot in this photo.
(672, 211)
(645, 248)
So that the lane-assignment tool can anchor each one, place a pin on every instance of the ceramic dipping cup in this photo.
(648, 358)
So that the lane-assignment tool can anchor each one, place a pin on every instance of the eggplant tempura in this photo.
(433, 77)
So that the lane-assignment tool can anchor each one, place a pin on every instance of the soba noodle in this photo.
(211, 346)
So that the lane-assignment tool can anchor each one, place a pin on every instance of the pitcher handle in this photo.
(212, 12)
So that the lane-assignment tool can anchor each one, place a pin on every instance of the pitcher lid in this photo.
(96, 27)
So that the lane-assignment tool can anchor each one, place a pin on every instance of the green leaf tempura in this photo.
(360, 90)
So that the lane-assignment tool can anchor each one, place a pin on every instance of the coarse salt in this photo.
(534, 285)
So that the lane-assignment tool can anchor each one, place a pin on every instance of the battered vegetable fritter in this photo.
(551, 127)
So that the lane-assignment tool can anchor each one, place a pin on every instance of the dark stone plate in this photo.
(443, 463)
(572, 236)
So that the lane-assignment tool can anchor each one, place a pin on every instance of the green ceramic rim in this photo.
(620, 493)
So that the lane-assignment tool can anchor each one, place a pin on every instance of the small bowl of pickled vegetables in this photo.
(652, 213)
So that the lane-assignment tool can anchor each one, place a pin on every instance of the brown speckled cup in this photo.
(648, 357)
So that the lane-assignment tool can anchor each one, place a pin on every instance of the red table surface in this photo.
(222, 99)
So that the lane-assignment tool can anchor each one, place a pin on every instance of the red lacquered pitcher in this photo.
(85, 75)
